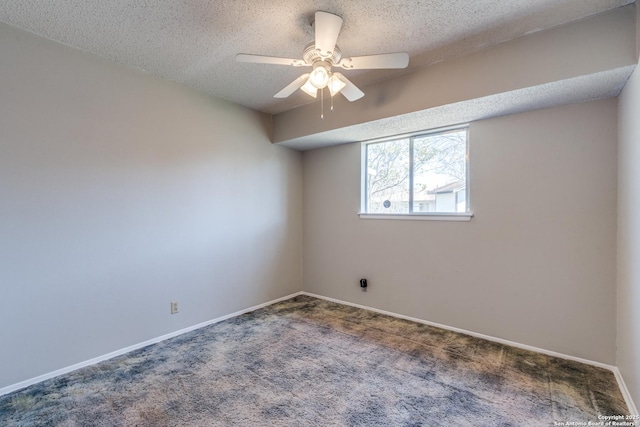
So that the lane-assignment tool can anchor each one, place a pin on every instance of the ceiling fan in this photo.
(322, 55)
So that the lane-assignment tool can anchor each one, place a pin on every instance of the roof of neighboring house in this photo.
(449, 188)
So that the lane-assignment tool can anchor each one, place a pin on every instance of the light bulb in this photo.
(335, 85)
(319, 76)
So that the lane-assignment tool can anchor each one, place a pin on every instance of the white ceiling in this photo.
(195, 42)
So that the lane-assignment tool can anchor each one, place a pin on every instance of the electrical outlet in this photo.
(174, 307)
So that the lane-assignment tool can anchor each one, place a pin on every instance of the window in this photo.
(419, 175)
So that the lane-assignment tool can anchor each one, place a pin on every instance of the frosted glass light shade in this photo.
(319, 77)
(309, 88)
(335, 85)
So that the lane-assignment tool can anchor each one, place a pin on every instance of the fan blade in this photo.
(371, 62)
(327, 28)
(262, 59)
(350, 91)
(292, 87)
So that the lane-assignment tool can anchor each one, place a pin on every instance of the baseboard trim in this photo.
(93, 361)
(614, 369)
(633, 410)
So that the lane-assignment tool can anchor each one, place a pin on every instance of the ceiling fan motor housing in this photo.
(310, 54)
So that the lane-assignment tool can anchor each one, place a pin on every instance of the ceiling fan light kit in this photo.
(319, 77)
(335, 84)
(310, 89)
(323, 54)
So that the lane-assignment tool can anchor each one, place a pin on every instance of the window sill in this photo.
(420, 217)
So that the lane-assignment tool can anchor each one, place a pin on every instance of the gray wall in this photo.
(121, 192)
(629, 235)
(536, 265)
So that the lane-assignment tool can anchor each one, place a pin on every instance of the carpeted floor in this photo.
(309, 362)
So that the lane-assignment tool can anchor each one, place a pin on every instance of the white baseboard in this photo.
(614, 369)
(625, 392)
(40, 378)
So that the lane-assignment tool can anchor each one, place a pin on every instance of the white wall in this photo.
(518, 270)
(121, 192)
(628, 356)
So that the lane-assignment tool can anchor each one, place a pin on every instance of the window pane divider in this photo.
(411, 175)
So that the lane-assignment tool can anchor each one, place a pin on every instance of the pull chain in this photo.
(332, 103)
(322, 104)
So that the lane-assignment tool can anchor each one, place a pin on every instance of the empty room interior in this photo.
(440, 232)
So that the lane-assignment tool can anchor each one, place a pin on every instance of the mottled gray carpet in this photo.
(309, 362)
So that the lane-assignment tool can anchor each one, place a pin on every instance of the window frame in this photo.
(433, 216)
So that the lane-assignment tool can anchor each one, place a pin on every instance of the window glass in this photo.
(420, 174)
(440, 172)
(388, 176)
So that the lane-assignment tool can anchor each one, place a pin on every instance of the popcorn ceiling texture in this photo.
(309, 362)
(195, 42)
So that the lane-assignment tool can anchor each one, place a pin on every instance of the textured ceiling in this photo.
(195, 42)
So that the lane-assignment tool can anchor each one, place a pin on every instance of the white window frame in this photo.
(429, 216)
